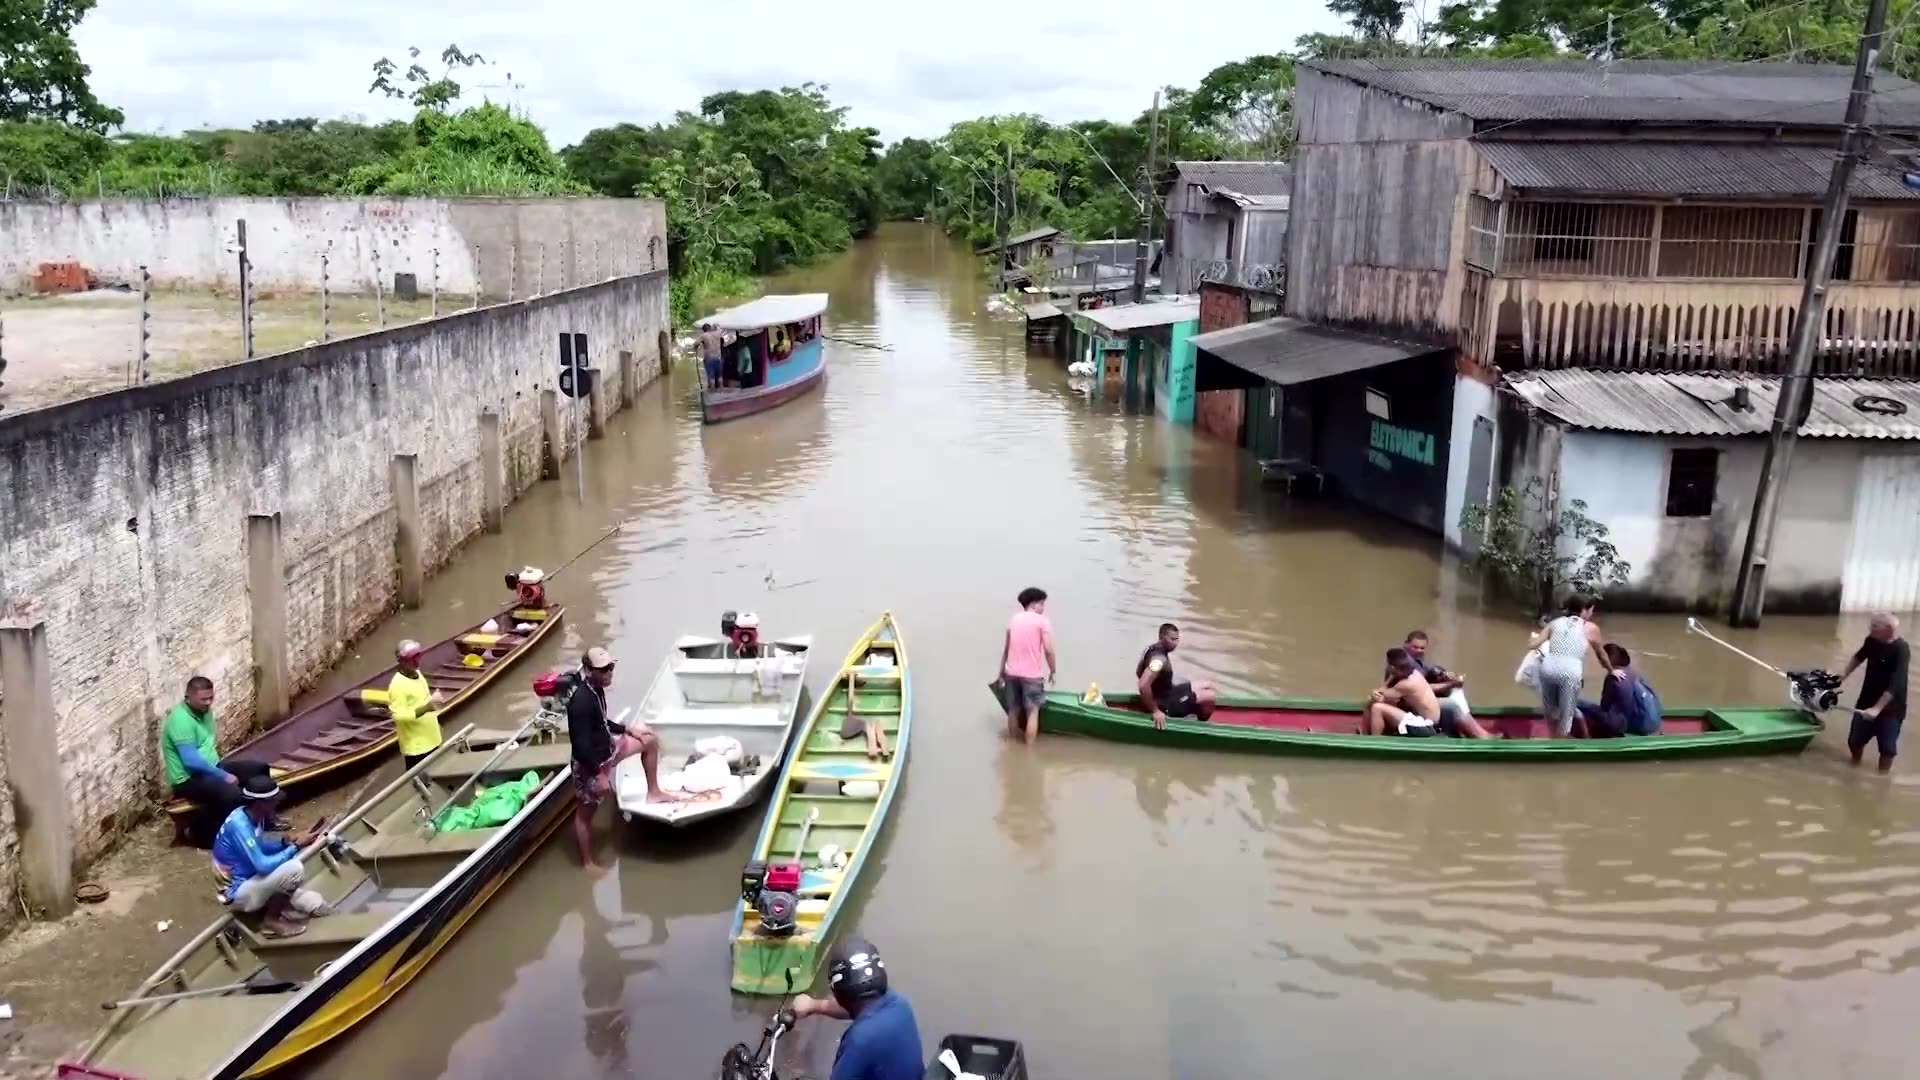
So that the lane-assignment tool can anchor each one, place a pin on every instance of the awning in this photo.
(769, 311)
(1618, 169)
(1121, 318)
(1036, 312)
(1704, 403)
(1287, 352)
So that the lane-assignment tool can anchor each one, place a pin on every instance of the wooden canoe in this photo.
(320, 744)
(1332, 729)
(699, 693)
(877, 683)
(235, 1003)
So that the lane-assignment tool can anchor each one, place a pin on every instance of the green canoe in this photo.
(1311, 727)
(831, 794)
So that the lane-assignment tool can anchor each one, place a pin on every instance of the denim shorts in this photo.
(1885, 729)
(1025, 693)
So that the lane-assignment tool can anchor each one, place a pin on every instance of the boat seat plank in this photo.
(414, 845)
(345, 929)
(370, 695)
(491, 641)
(842, 771)
(459, 765)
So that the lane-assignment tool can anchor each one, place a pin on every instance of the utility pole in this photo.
(1796, 389)
(1142, 242)
(246, 290)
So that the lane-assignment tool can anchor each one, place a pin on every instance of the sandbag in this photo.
(490, 806)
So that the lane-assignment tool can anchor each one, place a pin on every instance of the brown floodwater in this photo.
(1122, 912)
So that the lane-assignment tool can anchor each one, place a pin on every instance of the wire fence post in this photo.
(435, 285)
(325, 295)
(476, 275)
(513, 269)
(379, 291)
(246, 290)
(146, 327)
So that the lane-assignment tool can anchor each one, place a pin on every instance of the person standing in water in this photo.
(1882, 708)
(1027, 664)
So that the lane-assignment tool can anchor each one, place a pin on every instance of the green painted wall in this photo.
(1174, 374)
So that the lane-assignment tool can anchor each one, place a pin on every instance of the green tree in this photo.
(1250, 102)
(1533, 553)
(905, 178)
(41, 74)
(420, 87)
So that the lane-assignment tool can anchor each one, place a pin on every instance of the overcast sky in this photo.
(172, 65)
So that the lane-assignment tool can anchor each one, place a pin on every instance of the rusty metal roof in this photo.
(1689, 168)
(1638, 91)
(1287, 352)
(1701, 403)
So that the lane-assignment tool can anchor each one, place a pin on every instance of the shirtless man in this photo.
(713, 345)
(1405, 705)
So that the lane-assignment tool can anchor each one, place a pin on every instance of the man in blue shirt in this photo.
(883, 1042)
(263, 872)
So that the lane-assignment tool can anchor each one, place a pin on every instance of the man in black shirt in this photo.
(599, 744)
(1882, 707)
(1159, 691)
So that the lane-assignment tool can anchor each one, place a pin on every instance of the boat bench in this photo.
(343, 929)
(414, 845)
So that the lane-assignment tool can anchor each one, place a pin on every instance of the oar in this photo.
(800, 849)
(256, 985)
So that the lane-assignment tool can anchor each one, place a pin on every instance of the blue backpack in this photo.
(1646, 720)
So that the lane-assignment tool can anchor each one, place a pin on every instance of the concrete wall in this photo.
(1378, 213)
(123, 517)
(508, 244)
(1692, 562)
(1472, 399)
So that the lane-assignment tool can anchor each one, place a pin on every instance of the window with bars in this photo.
(1693, 475)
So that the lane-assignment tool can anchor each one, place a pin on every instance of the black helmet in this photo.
(855, 972)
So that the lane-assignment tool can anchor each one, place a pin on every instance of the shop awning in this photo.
(1288, 351)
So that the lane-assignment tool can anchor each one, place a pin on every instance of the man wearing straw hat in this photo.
(263, 872)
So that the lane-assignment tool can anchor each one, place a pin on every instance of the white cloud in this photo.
(905, 69)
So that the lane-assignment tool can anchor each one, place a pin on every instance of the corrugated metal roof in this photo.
(1246, 177)
(770, 311)
(1682, 168)
(1254, 202)
(1029, 236)
(1288, 351)
(1646, 91)
(1036, 312)
(1698, 403)
(1123, 317)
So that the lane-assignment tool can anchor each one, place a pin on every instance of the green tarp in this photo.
(490, 806)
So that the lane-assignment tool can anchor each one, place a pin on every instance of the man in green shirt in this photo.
(191, 756)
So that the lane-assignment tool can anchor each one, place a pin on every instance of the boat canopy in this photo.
(769, 311)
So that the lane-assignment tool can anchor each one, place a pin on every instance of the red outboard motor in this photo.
(529, 587)
(745, 637)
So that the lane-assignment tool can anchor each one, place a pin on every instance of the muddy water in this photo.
(1132, 914)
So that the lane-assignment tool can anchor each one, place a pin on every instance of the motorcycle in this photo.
(740, 1063)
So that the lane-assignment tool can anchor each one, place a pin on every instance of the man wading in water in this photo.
(1882, 708)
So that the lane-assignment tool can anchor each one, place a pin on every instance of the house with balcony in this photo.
(1589, 274)
(1227, 222)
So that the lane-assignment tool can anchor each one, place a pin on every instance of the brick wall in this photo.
(123, 516)
(1219, 412)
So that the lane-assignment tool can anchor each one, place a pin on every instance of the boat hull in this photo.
(720, 406)
(1319, 728)
(316, 722)
(812, 784)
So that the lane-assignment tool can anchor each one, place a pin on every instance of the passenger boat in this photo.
(1332, 729)
(320, 744)
(831, 795)
(777, 355)
(710, 692)
(234, 1003)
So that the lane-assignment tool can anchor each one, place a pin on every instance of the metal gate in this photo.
(1883, 562)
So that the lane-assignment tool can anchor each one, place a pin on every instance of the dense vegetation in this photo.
(758, 181)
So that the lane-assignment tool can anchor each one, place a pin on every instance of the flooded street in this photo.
(1127, 913)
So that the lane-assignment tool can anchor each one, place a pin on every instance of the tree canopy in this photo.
(41, 75)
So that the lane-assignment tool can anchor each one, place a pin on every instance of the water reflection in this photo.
(770, 456)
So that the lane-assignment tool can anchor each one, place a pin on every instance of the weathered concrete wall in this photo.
(123, 518)
(512, 246)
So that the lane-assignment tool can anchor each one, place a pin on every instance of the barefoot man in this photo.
(600, 743)
(1405, 705)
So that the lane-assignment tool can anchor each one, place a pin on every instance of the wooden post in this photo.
(407, 544)
(629, 379)
(554, 450)
(33, 768)
(493, 479)
(267, 602)
(596, 405)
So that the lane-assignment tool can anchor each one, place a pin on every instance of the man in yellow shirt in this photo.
(411, 702)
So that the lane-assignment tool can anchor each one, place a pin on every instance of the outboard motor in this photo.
(773, 891)
(529, 587)
(555, 688)
(728, 619)
(1816, 691)
(745, 636)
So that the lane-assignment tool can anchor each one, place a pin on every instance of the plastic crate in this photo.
(995, 1059)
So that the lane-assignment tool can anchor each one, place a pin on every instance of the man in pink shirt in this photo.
(1027, 664)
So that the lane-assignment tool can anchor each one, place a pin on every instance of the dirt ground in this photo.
(55, 975)
(74, 345)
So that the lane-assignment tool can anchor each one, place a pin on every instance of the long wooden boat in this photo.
(830, 794)
(321, 744)
(702, 693)
(233, 1003)
(777, 355)
(1332, 729)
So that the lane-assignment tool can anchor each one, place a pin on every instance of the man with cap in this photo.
(262, 871)
(599, 744)
(883, 1042)
(410, 700)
